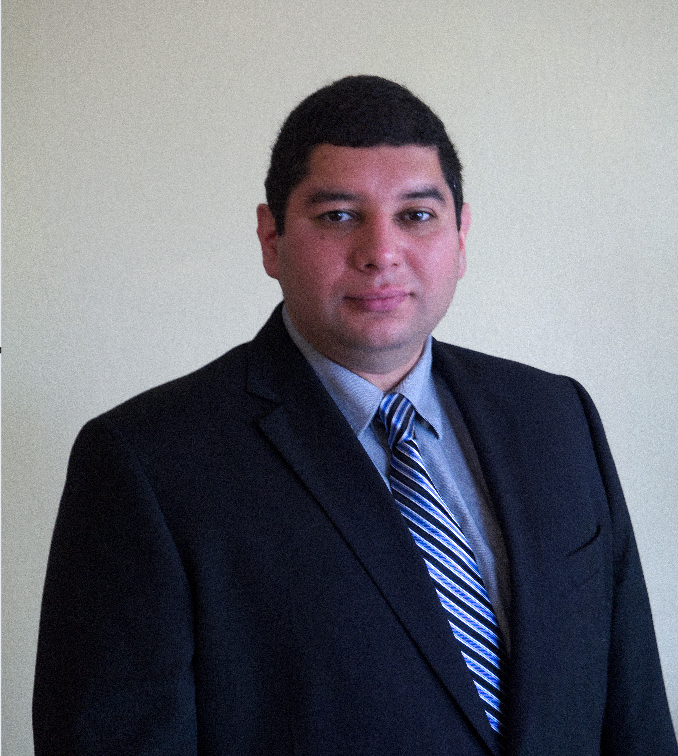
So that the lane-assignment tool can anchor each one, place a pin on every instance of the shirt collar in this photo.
(358, 399)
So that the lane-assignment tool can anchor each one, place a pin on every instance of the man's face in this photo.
(371, 254)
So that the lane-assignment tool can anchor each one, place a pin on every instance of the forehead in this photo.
(370, 170)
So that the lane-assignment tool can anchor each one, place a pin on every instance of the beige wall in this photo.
(136, 140)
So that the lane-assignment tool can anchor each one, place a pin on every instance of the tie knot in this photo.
(397, 414)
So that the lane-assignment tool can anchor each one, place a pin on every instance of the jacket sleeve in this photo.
(637, 719)
(114, 664)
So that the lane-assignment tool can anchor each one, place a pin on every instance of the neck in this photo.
(382, 368)
(388, 380)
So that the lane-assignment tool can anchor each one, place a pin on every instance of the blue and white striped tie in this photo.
(449, 559)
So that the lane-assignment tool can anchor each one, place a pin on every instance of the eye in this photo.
(416, 216)
(336, 216)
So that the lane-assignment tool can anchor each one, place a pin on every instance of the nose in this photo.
(378, 245)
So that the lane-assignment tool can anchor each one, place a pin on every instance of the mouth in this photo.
(378, 301)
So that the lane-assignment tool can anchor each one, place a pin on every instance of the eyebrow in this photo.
(324, 195)
(426, 192)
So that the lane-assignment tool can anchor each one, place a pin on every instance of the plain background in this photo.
(136, 139)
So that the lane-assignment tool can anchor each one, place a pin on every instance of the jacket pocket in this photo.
(585, 561)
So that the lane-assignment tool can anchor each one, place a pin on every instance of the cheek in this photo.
(317, 266)
(439, 282)
(306, 278)
(440, 269)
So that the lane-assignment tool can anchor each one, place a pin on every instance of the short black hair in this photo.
(356, 111)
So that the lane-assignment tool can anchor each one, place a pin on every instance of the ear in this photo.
(463, 230)
(268, 238)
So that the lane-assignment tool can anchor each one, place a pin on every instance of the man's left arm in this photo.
(637, 719)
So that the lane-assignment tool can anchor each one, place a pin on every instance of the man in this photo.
(345, 537)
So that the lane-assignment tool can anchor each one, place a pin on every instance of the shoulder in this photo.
(494, 372)
(168, 426)
(494, 388)
(211, 394)
(220, 402)
(188, 397)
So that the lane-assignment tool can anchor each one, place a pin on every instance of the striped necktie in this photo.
(449, 559)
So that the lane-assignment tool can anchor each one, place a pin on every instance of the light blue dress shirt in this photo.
(445, 446)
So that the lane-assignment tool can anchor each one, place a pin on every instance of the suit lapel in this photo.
(494, 425)
(313, 436)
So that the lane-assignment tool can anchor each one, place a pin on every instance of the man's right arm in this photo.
(114, 666)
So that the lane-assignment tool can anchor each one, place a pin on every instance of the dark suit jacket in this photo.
(230, 575)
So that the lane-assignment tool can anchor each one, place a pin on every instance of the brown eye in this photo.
(336, 216)
(416, 216)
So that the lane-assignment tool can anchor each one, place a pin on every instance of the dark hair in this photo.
(356, 111)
